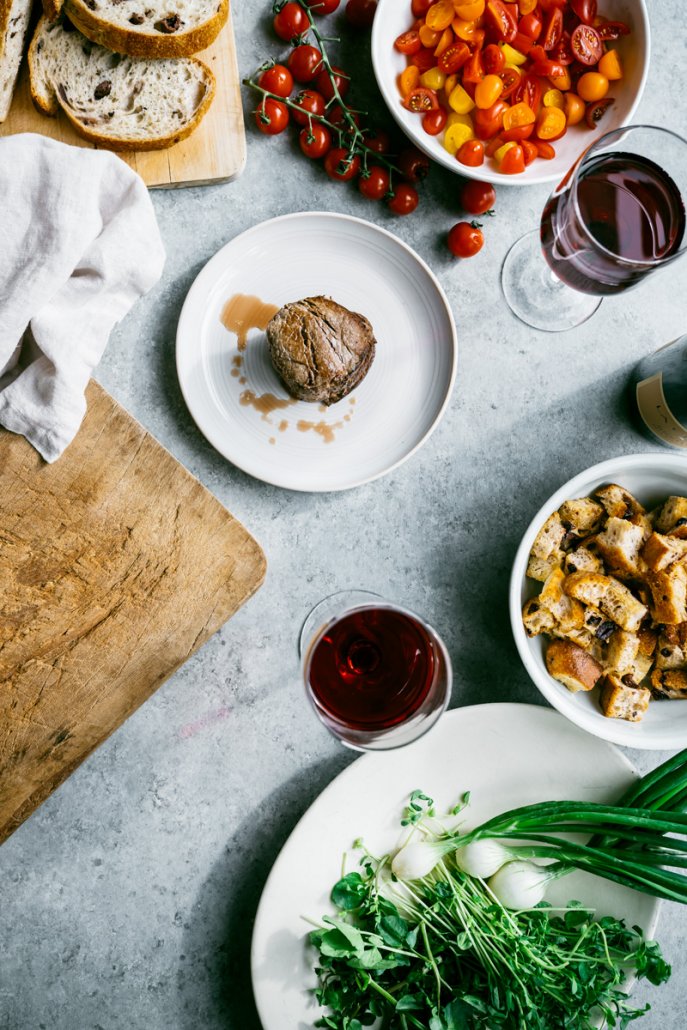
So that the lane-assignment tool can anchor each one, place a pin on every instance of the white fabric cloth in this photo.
(79, 244)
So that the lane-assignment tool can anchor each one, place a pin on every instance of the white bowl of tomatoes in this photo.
(510, 93)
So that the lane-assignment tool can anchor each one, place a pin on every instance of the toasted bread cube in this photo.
(620, 544)
(615, 601)
(582, 560)
(670, 683)
(674, 511)
(621, 700)
(623, 649)
(643, 522)
(582, 515)
(572, 666)
(642, 667)
(648, 638)
(582, 637)
(541, 568)
(671, 651)
(668, 595)
(568, 613)
(618, 502)
(536, 618)
(660, 552)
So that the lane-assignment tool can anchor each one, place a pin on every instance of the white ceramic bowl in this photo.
(651, 478)
(394, 17)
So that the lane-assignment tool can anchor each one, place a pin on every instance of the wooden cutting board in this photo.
(215, 152)
(115, 566)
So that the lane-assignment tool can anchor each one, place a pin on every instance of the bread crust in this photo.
(145, 44)
(572, 666)
(52, 9)
(51, 106)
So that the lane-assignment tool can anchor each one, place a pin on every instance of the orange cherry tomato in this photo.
(440, 15)
(574, 108)
(471, 153)
(513, 160)
(428, 37)
(408, 80)
(518, 115)
(469, 11)
(488, 91)
(551, 123)
(592, 86)
(446, 40)
(527, 6)
(610, 66)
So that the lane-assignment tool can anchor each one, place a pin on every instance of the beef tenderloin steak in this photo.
(319, 349)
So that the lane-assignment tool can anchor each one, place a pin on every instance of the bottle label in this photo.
(654, 409)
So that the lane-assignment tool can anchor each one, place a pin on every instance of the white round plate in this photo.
(394, 409)
(652, 478)
(506, 754)
(394, 17)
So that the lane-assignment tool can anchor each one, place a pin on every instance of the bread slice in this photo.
(121, 103)
(146, 28)
(572, 666)
(14, 24)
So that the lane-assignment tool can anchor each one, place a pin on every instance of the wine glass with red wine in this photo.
(617, 216)
(377, 675)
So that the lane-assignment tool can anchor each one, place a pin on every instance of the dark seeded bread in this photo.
(145, 28)
(121, 103)
(14, 24)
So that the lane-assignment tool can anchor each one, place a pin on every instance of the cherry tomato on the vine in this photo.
(272, 116)
(322, 7)
(277, 79)
(324, 84)
(375, 184)
(309, 102)
(378, 141)
(477, 197)
(315, 141)
(304, 62)
(339, 165)
(360, 13)
(465, 239)
(291, 21)
(413, 164)
(404, 200)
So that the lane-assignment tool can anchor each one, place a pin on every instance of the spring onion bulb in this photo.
(418, 858)
(520, 885)
(482, 858)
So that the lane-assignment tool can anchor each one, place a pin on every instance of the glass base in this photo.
(536, 295)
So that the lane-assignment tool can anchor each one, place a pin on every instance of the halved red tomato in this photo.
(473, 70)
(553, 29)
(421, 99)
(562, 53)
(408, 42)
(586, 45)
(531, 25)
(500, 21)
(518, 133)
(489, 120)
(511, 79)
(453, 58)
(530, 92)
(609, 30)
(585, 10)
(493, 59)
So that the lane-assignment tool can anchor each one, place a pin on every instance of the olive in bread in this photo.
(145, 28)
(121, 103)
(572, 666)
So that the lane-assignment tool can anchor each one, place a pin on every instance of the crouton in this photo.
(536, 618)
(546, 553)
(615, 601)
(582, 560)
(568, 613)
(660, 552)
(643, 522)
(669, 683)
(582, 516)
(641, 667)
(648, 638)
(618, 502)
(619, 544)
(668, 595)
(623, 699)
(671, 650)
(572, 666)
(623, 649)
(582, 637)
(673, 515)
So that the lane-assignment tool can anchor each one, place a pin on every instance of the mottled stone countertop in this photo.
(127, 899)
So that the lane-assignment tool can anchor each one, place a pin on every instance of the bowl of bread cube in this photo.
(598, 600)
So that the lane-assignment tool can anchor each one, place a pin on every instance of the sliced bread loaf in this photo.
(122, 103)
(14, 24)
(145, 28)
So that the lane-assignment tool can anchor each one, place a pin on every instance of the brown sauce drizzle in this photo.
(241, 313)
(323, 429)
(265, 403)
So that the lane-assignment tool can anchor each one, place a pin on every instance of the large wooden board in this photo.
(115, 566)
(215, 152)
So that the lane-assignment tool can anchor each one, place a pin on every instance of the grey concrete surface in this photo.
(126, 901)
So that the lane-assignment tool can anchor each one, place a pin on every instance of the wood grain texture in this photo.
(115, 566)
(215, 152)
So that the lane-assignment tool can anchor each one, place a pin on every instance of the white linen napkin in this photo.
(79, 244)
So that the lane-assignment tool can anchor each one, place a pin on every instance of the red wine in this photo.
(373, 668)
(630, 207)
